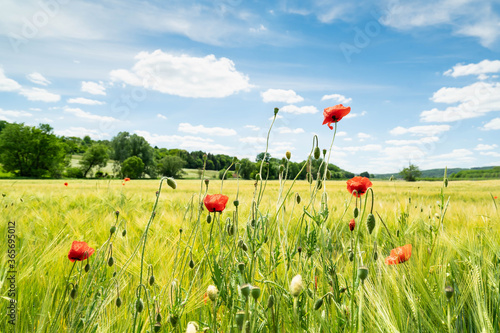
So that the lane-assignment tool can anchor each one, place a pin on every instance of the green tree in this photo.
(132, 167)
(96, 155)
(125, 145)
(261, 157)
(31, 152)
(171, 166)
(365, 174)
(411, 173)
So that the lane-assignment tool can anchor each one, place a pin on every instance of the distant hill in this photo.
(487, 172)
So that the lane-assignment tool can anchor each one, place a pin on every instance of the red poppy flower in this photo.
(334, 114)
(80, 251)
(360, 184)
(65, 184)
(495, 197)
(127, 179)
(216, 202)
(399, 255)
(352, 224)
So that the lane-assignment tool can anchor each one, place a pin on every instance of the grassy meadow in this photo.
(265, 242)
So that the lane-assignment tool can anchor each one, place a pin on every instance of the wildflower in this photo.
(399, 255)
(334, 114)
(212, 292)
(66, 184)
(215, 202)
(495, 197)
(358, 184)
(352, 224)
(126, 179)
(296, 285)
(80, 251)
(192, 327)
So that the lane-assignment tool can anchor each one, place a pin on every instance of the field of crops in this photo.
(153, 272)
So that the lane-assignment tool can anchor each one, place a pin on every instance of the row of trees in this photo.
(37, 152)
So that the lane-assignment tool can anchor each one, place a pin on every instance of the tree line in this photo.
(36, 152)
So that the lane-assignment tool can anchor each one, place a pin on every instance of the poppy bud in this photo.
(324, 152)
(298, 198)
(351, 256)
(296, 285)
(158, 317)
(319, 184)
(328, 174)
(72, 294)
(191, 264)
(245, 290)
(117, 213)
(151, 280)
(282, 168)
(318, 304)
(180, 230)
(239, 318)
(173, 320)
(244, 247)
(317, 153)
(375, 255)
(288, 155)
(204, 157)
(111, 261)
(342, 290)
(237, 167)
(124, 232)
(362, 273)
(207, 181)
(255, 293)
(139, 305)
(356, 212)
(118, 302)
(112, 230)
(87, 268)
(114, 273)
(448, 291)
(3, 195)
(391, 179)
(209, 218)
(370, 223)
(212, 292)
(241, 267)
(309, 178)
(276, 111)
(270, 301)
(171, 182)
(157, 327)
(352, 224)
(299, 249)
(236, 203)
(230, 229)
(257, 176)
(252, 223)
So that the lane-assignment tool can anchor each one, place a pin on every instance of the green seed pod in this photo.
(114, 273)
(257, 176)
(207, 181)
(173, 319)
(342, 290)
(328, 174)
(448, 291)
(288, 155)
(112, 230)
(351, 256)
(191, 264)
(270, 301)
(209, 218)
(118, 302)
(375, 255)
(245, 290)
(230, 229)
(318, 304)
(171, 182)
(139, 305)
(111, 261)
(151, 280)
(397, 233)
(298, 198)
(317, 153)
(241, 267)
(255, 293)
(236, 203)
(309, 178)
(124, 232)
(282, 168)
(362, 273)
(240, 318)
(87, 268)
(244, 247)
(252, 223)
(319, 184)
(356, 212)
(276, 111)
(157, 327)
(72, 294)
(158, 317)
(370, 223)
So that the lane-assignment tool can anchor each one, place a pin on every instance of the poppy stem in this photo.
(328, 160)
(64, 296)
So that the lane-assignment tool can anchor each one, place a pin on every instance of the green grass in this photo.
(459, 248)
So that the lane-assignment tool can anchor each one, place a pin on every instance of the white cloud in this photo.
(299, 109)
(7, 84)
(428, 130)
(363, 136)
(490, 153)
(281, 95)
(39, 94)
(425, 140)
(354, 115)
(338, 98)
(216, 131)
(341, 133)
(159, 115)
(253, 127)
(286, 130)
(474, 101)
(10, 115)
(355, 149)
(35, 109)
(86, 101)
(82, 132)
(185, 142)
(493, 124)
(456, 155)
(253, 139)
(93, 88)
(260, 29)
(482, 147)
(77, 112)
(483, 67)
(184, 75)
(38, 78)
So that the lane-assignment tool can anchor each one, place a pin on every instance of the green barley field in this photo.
(163, 262)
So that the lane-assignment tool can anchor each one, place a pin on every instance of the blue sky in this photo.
(421, 77)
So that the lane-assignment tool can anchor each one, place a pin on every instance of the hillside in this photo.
(487, 172)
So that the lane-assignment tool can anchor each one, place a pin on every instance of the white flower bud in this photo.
(192, 327)
(212, 292)
(296, 285)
